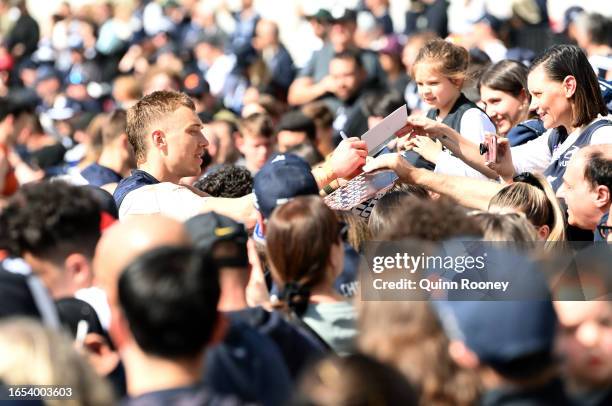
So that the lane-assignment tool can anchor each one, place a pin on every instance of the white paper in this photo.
(376, 138)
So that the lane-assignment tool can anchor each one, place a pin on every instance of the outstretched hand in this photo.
(418, 126)
(395, 162)
(426, 147)
(421, 125)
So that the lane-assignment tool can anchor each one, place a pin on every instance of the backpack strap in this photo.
(297, 321)
(463, 104)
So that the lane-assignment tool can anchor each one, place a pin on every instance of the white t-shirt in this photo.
(535, 156)
(166, 198)
(474, 124)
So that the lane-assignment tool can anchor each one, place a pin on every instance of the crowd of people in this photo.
(164, 233)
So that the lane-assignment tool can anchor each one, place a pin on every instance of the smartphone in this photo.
(489, 148)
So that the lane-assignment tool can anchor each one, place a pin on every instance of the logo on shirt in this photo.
(564, 159)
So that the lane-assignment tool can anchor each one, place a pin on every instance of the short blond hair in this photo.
(150, 110)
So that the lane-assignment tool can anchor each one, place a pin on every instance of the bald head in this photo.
(603, 150)
(123, 242)
(596, 162)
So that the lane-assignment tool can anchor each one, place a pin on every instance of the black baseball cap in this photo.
(195, 85)
(207, 229)
(72, 310)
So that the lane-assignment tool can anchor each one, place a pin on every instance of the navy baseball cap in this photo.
(283, 177)
(503, 333)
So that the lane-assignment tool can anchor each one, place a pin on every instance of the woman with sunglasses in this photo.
(532, 195)
(305, 252)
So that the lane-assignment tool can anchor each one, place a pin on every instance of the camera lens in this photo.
(483, 149)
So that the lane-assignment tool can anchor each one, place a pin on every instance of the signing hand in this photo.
(349, 156)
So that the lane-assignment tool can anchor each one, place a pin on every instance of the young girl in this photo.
(439, 71)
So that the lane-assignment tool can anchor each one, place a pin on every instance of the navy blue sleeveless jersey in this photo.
(555, 171)
(137, 179)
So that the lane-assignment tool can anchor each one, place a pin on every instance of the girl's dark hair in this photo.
(506, 76)
(560, 61)
(299, 239)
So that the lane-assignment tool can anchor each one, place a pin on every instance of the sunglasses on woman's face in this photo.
(527, 177)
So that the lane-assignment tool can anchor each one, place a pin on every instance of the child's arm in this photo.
(463, 148)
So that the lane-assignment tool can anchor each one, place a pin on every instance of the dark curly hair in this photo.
(226, 181)
(51, 220)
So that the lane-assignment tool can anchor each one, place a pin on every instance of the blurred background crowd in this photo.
(71, 63)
